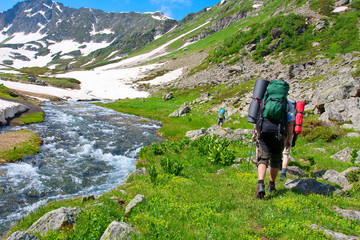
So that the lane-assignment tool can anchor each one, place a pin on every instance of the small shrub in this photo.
(353, 176)
(314, 130)
(355, 4)
(171, 167)
(157, 148)
(354, 155)
(153, 173)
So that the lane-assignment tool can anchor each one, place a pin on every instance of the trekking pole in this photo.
(252, 144)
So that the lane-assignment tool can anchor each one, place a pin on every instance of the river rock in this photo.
(21, 236)
(348, 214)
(117, 231)
(182, 111)
(137, 172)
(308, 186)
(55, 220)
(134, 202)
(332, 234)
(344, 155)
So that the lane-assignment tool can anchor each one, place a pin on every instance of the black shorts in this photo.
(270, 150)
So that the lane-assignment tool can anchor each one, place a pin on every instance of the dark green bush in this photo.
(314, 130)
(355, 4)
(353, 176)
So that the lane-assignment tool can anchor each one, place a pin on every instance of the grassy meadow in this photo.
(193, 190)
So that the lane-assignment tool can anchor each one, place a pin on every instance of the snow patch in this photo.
(257, 5)
(209, 8)
(222, 2)
(340, 9)
(47, 6)
(104, 31)
(58, 7)
(170, 76)
(28, 10)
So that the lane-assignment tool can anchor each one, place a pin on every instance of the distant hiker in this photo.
(221, 117)
(289, 138)
(272, 122)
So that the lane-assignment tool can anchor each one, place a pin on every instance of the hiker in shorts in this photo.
(272, 138)
(289, 138)
(221, 117)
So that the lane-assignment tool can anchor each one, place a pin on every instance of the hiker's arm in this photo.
(290, 132)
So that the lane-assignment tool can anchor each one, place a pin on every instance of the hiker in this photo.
(289, 138)
(221, 117)
(273, 124)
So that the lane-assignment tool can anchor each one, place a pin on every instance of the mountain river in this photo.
(87, 150)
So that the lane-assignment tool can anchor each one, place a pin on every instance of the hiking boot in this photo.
(283, 176)
(271, 188)
(260, 191)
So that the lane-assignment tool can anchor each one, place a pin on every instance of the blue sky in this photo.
(176, 9)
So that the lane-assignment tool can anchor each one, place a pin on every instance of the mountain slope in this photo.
(34, 28)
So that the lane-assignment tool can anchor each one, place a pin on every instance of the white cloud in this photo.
(167, 6)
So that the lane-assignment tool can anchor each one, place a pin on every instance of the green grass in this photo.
(6, 92)
(28, 118)
(200, 204)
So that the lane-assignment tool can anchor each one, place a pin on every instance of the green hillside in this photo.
(204, 188)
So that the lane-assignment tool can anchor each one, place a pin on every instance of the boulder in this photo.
(21, 236)
(182, 111)
(343, 111)
(136, 172)
(348, 214)
(276, 33)
(168, 96)
(295, 171)
(336, 177)
(117, 231)
(332, 234)
(195, 134)
(55, 220)
(344, 155)
(134, 202)
(308, 186)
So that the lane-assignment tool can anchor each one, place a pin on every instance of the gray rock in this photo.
(168, 96)
(348, 214)
(136, 172)
(117, 231)
(344, 155)
(182, 111)
(332, 234)
(21, 236)
(134, 202)
(343, 111)
(55, 220)
(195, 134)
(295, 171)
(308, 186)
(276, 33)
(336, 177)
(353, 134)
(220, 171)
(340, 3)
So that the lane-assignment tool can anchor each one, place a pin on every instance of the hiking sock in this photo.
(271, 183)
(284, 171)
(261, 182)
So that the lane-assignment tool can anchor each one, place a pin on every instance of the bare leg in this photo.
(261, 171)
(273, 174)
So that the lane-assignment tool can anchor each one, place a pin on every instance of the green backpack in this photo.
(275, 101)
(273, 111)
